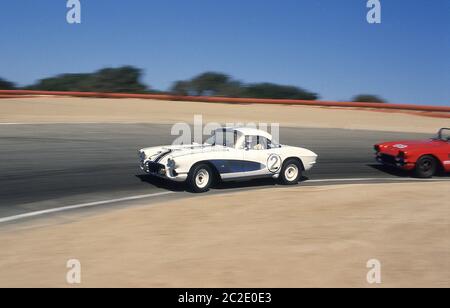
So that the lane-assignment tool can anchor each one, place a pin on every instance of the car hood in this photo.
(395, 147)
(161, 154)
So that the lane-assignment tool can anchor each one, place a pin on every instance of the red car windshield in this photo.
(444, 134)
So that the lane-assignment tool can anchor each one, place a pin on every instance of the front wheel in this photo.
(200, 178)
(426, 167)
(291, 172)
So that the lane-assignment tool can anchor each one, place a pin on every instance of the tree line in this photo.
(218, 84)
(127, 79)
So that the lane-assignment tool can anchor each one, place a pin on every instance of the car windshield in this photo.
(260, 143)
(444, 134)
(227, 139)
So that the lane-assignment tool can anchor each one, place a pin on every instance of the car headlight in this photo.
(171, 163)
(142, 155)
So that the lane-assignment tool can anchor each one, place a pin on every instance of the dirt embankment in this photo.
(283, 237)
(82, 110)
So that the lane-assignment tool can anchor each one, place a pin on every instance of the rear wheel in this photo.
(291, 172)
(200, 178)
(426, 167)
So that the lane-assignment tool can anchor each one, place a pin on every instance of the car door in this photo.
(447, 158)
(258, 151)
(229, 162)
(445, 135)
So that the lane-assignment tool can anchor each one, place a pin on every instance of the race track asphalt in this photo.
(54, 165)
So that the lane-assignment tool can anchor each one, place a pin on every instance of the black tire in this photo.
(196, 184)
(291, 164)
(426, 167)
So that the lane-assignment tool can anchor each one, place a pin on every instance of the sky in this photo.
(325, 46)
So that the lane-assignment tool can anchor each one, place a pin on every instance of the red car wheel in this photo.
(426, 167)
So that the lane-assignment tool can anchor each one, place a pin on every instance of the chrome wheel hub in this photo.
(202, 178)
(291, 172)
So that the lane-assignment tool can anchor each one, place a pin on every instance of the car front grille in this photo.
(152, 167)
(388, 159)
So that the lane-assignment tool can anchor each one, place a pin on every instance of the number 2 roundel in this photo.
(274, 163)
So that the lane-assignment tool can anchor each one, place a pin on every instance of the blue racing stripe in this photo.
(234, 166)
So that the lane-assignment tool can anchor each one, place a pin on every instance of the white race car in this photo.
(230, 154)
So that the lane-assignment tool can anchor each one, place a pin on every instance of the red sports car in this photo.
(424, 157)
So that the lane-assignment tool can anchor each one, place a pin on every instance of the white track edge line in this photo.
(377, 179)
(92, 204)
(79, 206)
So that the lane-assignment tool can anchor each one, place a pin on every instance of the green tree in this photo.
(6, 85)
(65, 82)
(368, 98)
(121, 80)
(181, 88)
(275, 91)
(208, 83)
(219, 84)
(231, 89)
